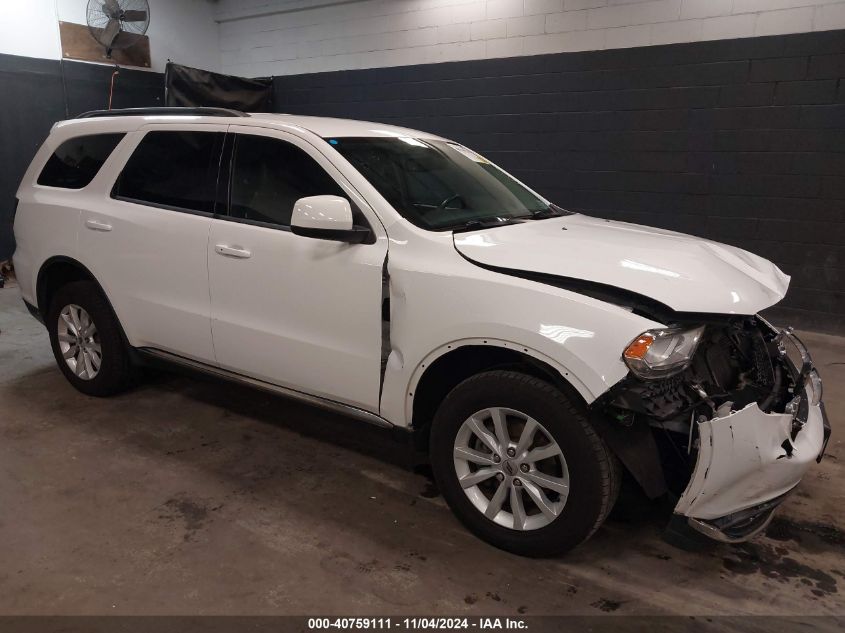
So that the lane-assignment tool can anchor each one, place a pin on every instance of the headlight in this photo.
(662, 353)
(813, 385)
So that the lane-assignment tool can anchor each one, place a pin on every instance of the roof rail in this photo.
(163, 111)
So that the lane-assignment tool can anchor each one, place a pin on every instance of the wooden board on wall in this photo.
(77, 43)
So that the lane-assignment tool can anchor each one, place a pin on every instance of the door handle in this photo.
(96, 225)
(231, 251)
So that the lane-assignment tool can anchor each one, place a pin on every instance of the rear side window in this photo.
(75, 162)
(174, 170)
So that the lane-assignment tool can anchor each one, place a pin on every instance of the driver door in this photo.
(294, 311)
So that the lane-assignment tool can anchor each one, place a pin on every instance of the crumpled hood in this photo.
(686, 273)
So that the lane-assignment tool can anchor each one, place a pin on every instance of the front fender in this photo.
(458, 303)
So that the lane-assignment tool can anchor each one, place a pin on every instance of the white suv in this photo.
(403, 279)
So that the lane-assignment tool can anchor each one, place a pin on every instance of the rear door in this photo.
(294, 311)
(147, 241)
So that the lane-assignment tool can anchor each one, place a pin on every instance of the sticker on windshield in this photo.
(469, 153)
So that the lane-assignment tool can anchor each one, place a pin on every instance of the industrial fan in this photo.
(109, 22)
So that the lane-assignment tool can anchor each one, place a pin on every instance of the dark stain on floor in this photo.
(430, 490)
(783, 529)
(608, 606)
(193, 514)
(367, 567)
(772, 562)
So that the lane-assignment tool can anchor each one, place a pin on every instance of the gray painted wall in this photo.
(291, 37)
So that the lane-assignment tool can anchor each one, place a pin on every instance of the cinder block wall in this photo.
(282, 37)
(736, 140)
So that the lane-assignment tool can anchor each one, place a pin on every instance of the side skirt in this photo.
(147, 353)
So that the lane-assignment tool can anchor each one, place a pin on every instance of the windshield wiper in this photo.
(553, 211)
(486, 223)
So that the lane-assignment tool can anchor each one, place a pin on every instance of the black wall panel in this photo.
(31, 100)
(87, 88)
(741, 141)
(35, 93)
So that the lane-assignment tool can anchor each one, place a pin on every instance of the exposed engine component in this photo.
(738, 361)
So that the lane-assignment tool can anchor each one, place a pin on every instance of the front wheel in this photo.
(520, 465)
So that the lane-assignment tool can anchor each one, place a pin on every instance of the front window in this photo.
(268, 177)
(439, 185)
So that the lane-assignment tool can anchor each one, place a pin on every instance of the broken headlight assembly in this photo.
(813, 386)
(662, 352)
(787, 341)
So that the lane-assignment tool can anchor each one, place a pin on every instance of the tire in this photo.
(588, 472)
(114, 372)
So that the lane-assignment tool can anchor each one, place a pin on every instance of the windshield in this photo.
(439, 185)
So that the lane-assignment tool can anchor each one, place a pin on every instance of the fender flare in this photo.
(64, 259)
(46, 265)
(434, 355)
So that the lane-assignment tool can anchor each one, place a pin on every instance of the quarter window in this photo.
(174, 170)
(75, 162)
(270, 175)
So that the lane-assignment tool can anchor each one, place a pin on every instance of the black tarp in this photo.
(185, 86)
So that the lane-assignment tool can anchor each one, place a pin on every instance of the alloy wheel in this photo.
(511, 468)
(79, 342)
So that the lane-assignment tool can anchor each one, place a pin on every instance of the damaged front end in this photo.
(731, 428)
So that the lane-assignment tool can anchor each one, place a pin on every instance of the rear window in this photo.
(76, 161)
(175, 170)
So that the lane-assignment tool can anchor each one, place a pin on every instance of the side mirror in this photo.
(326, 218)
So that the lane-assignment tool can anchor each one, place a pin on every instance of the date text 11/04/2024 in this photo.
(434, 623)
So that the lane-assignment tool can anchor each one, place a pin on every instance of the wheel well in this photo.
(449, 370)
(53, 275)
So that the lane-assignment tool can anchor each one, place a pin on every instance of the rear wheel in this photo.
(86, 340)
(520, 465)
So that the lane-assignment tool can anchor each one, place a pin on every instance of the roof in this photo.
(324, 127)
(327, 127)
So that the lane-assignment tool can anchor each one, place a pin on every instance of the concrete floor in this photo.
(187, 496)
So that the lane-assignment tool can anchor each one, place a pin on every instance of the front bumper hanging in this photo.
(749, 460)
